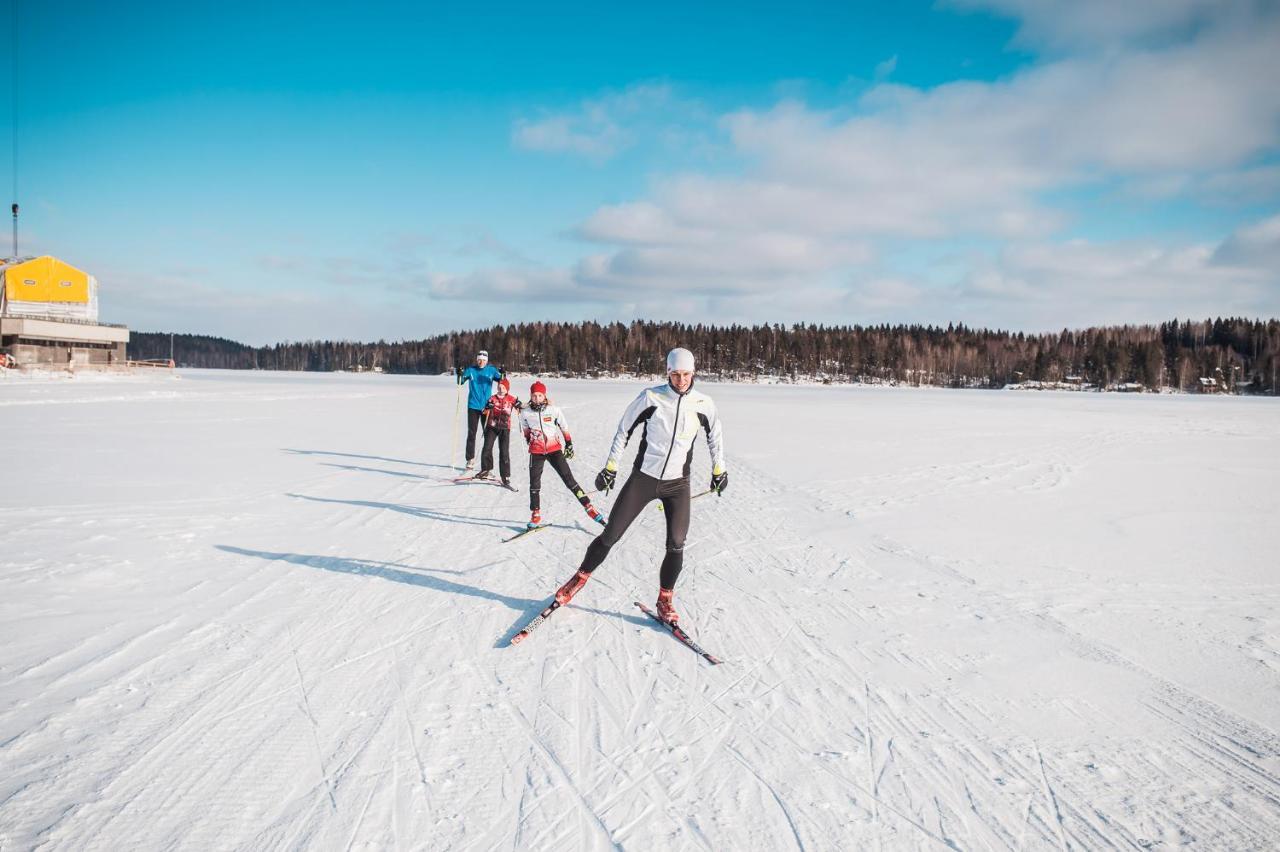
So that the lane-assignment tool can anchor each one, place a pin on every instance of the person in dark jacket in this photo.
(499, 413)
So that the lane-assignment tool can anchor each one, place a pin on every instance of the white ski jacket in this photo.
(671, 422)
(545, 430)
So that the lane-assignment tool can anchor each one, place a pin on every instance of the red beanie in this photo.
(504, 384)
(538, 387)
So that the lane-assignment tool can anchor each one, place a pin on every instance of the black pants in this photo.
(503, 437)
(474, 418)
(561, 466)
(639, 491)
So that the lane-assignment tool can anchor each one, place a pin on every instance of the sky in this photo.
(286, 171)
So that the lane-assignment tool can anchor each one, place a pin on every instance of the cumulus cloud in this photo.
(1241, 186)
(1079, 282)
(1102, 24)
(1256, 245)
(597, 140)
(504, 285)
(825, 188)
(198, 302)
(599, 128)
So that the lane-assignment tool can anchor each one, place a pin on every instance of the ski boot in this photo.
(484, 474)
(666, 611)
(470, 465)
(566, 592)
(595, 514)
(535, 520)
(506, 482)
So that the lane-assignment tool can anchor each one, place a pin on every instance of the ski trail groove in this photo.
(315, 727)
(1051, 801)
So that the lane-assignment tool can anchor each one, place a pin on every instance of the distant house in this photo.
(1130, 387)
(49, 317)
(1209, 385)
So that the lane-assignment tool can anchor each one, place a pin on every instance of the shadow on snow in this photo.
(367, 458)
(426, 578)
(377, 470)
(418, 512)
(396, 572)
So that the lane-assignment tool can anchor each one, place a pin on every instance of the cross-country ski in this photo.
(526, 531)
(677, 631)
(535, 623)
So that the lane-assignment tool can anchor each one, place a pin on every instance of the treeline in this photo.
(1241, 354)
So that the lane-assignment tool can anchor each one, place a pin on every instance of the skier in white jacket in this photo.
(670, 417)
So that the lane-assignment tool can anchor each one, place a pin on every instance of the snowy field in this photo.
(252, 611)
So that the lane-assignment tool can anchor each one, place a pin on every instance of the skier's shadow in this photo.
(367, 458)
(415, 511)
(425, 577)
(412, 575)
(357, 467)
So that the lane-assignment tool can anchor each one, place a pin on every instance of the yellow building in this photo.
(49, 316)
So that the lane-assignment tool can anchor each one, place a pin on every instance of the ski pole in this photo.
(694, 497)
(457, 414)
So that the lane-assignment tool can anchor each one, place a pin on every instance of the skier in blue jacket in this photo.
(482, 376)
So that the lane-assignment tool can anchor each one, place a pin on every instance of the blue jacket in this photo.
(481, 384)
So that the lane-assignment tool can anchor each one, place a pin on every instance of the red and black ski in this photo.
(535, 623)
(679, 633)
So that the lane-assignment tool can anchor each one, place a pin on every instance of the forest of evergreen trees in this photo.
(1239, 354)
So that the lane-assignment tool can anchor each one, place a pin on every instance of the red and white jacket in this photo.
(500, 409)
(544, 428)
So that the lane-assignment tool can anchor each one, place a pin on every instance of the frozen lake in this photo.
(252, 610)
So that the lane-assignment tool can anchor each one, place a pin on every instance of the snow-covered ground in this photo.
(252, 611)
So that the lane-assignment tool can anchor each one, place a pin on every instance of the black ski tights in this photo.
(639, 491)
(475, 423)
(561, 466)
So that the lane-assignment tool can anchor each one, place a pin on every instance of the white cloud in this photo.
(190, 301)
(884, 70)
(1256, 245)
(1179, 104)
(506, 285)
(1241, 186)
(1076, 283)
(1102, 24)
(597, 141)
(599, 128)
(880, 296)
(961, 159)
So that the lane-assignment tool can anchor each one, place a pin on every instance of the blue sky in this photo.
(278, 171)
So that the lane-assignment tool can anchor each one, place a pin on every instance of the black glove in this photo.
(568, 449)
(458, 373)
(605, 479)
(719, 482)
(502, 372)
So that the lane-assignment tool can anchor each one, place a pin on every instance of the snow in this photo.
(251, 610)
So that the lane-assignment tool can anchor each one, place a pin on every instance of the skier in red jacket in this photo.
(499, 412)
(547, 434)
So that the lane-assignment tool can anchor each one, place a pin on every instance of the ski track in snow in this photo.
(287, 629)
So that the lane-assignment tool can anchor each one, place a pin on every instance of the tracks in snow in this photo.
(332, 680)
